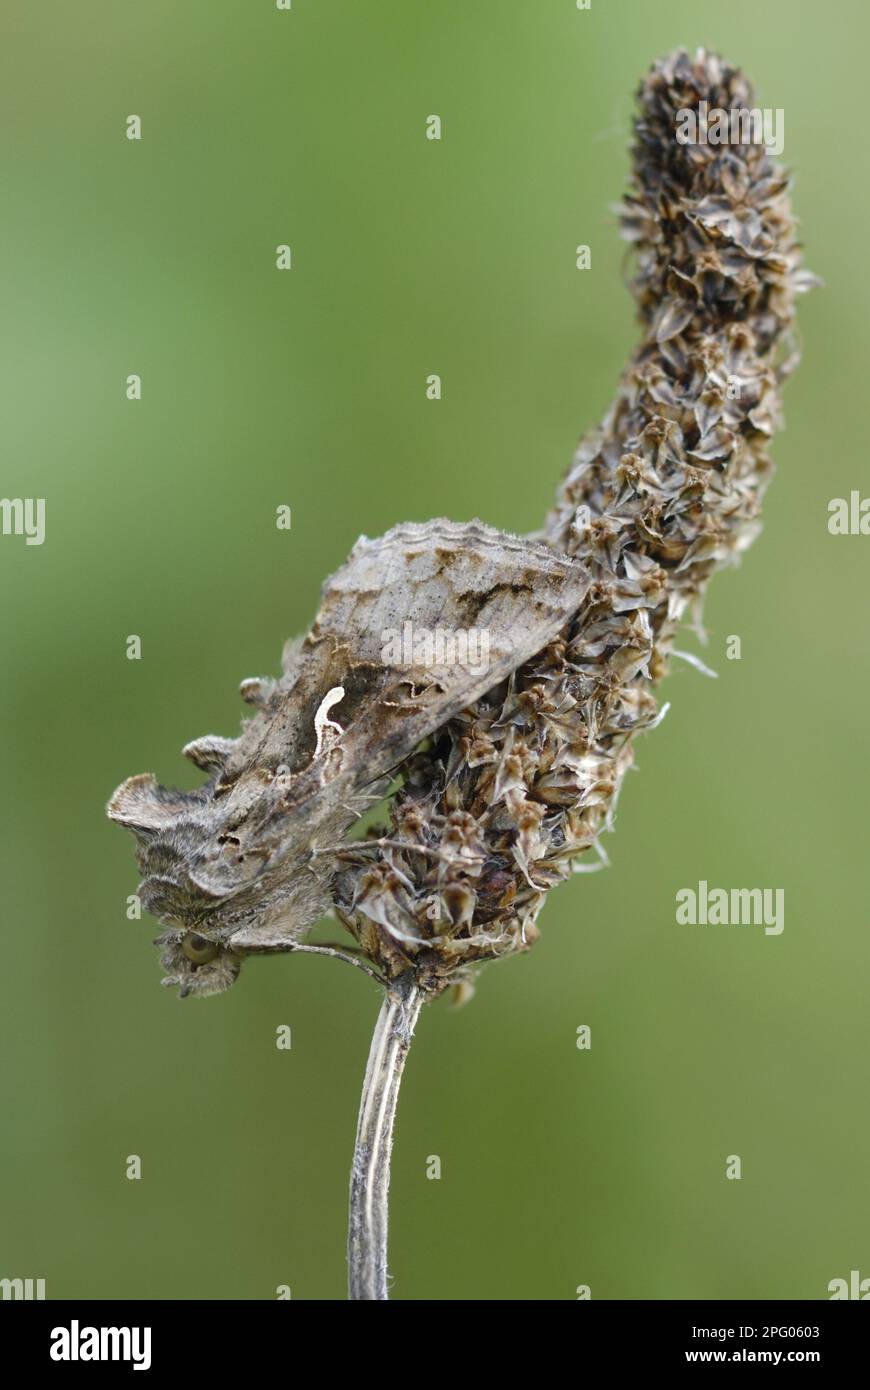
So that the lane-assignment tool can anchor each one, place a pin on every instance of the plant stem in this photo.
(370, 1173)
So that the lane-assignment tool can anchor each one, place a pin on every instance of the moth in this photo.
(243, 865)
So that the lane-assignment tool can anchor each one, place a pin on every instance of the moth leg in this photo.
(338, 954)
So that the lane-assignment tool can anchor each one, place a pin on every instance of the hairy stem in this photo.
(370, 1173)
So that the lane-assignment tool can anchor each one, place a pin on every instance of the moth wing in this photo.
(492, 601)
(358, 694)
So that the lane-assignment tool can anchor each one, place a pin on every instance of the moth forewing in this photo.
(440, 578)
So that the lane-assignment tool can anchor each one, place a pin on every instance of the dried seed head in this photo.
(667, 490)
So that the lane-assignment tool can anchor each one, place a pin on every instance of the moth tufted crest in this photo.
(211, 752)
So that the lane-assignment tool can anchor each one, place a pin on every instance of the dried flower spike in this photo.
(667, 490)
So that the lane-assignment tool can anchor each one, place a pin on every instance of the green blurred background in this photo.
(307, 388)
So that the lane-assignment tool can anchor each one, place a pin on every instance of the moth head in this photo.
(223, 879)
(205, 956)
(196, 964)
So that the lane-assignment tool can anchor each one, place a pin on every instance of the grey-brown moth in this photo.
(244, 864)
